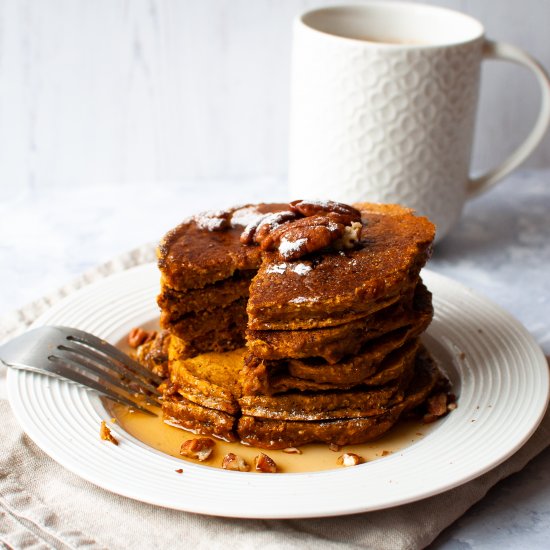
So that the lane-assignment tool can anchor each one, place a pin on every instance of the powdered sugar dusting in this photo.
(301, 269)
(212, 220)
(302, 299)
(323, 204)
(245, 216)
(275, 219)
(277, 268)
(287, 248)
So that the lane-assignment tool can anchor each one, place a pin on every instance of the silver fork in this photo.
(81, 357)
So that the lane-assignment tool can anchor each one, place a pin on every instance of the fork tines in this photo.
(111, 372)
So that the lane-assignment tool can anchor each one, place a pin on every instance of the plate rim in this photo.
(91, 401)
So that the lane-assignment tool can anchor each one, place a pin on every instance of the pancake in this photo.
(206, 248)
(280, 434)
(336, 287)
(214, 380)
(182, 413)
(220, 339)
(359, 403)
(211, 380)
(175, 304)
(210, 329)
(334, 343)
(380, 364)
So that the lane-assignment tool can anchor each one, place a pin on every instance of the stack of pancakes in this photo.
(279, 351)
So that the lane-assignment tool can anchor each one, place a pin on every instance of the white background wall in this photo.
(95, 91)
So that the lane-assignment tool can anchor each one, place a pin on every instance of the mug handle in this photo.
(501, 50)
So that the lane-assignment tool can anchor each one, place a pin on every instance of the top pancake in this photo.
(201, 251)
(332, 288)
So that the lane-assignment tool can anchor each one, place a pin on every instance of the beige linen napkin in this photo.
(44, 506)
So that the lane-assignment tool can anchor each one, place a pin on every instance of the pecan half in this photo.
(260, 228)
(234, 462)
(200, 448)
(313, 208)
(304, 236)
(307, 227)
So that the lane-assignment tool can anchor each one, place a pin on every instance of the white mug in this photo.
(383, 107)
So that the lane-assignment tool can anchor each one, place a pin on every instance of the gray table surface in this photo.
(501, 249)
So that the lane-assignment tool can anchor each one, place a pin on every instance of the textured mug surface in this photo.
(383, 106)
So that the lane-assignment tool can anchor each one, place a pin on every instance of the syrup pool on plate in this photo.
(154, 432)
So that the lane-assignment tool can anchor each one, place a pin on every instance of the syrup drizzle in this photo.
(155, 433)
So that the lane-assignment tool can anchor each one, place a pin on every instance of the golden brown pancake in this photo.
(336, 287)
(175, 304)
(210, 330)
(374, 367)
(280, 434)
(205, 248)
(334, 343)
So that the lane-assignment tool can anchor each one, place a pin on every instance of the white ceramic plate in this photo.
(497, 369)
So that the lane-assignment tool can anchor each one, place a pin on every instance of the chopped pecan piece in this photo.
(350, 459)
(138, 336)
(437, 404)
(153, 353)
(199, 448)
(105, 433)
(292, 451)
(234, 462)
(350, 238)
(265, 464)
(451, 402)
